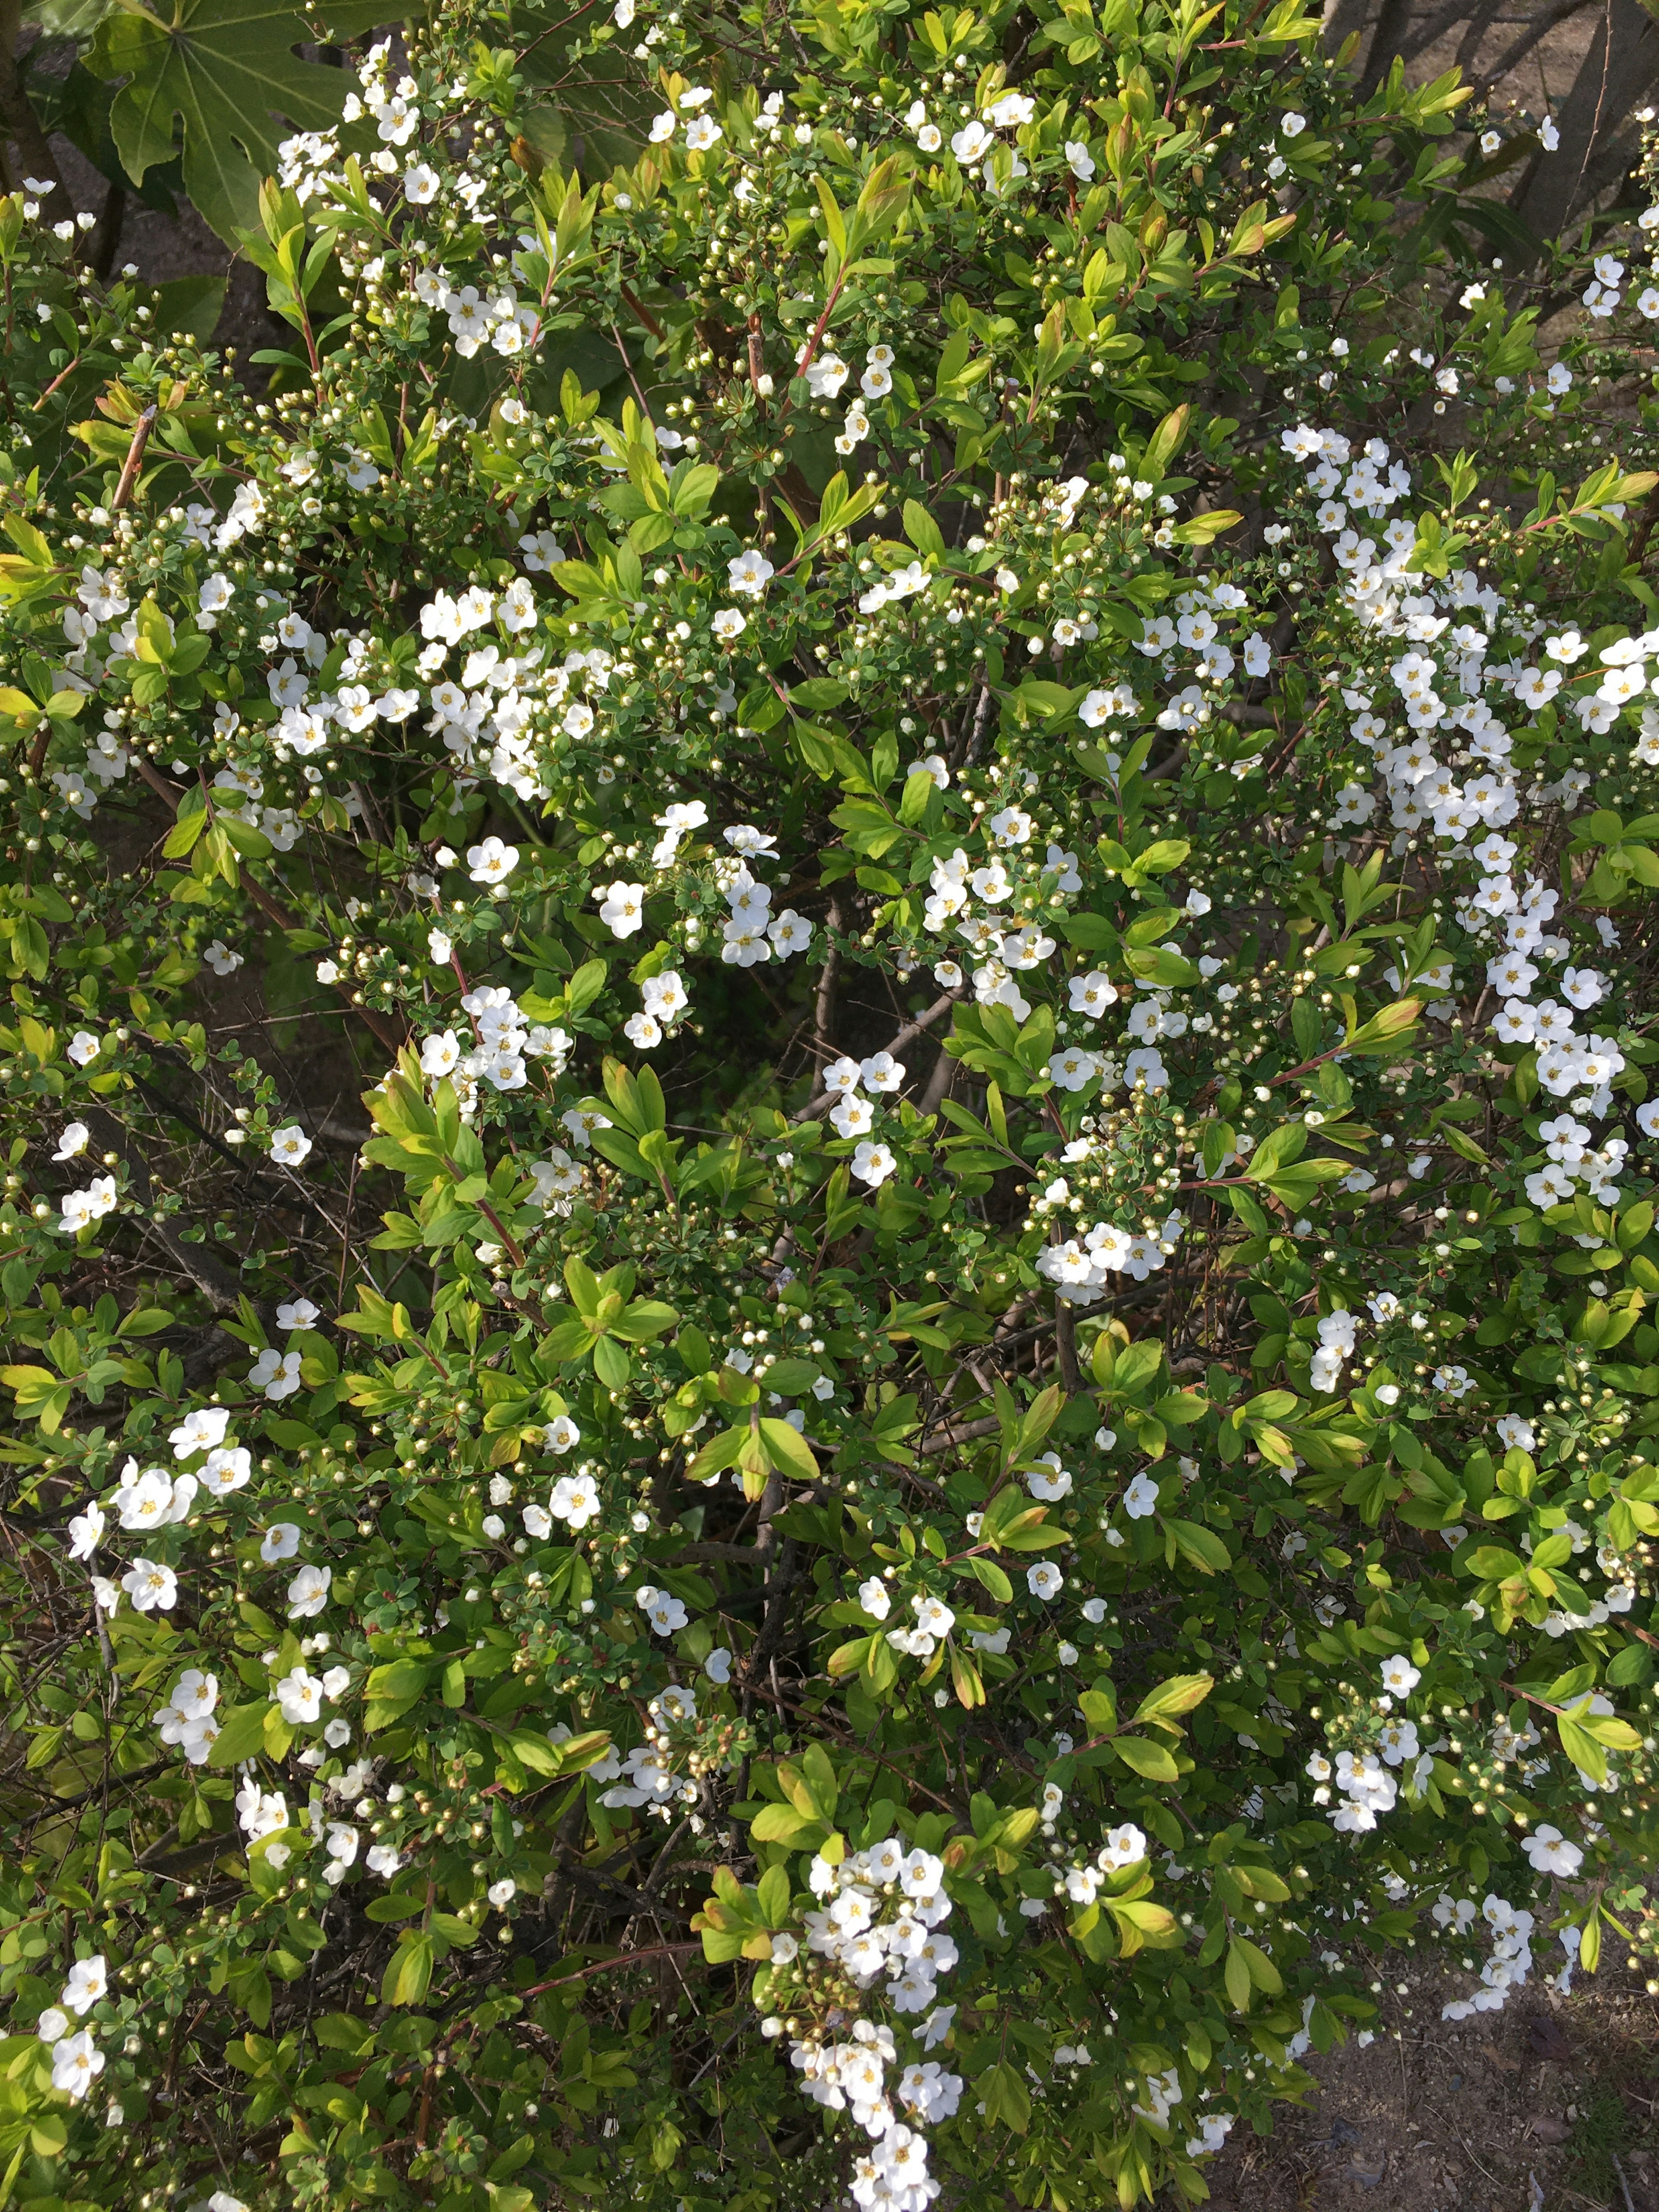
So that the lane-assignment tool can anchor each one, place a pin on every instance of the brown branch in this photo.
(821, 1104)
(135, 459)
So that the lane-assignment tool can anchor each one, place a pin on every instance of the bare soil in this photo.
(1550, 2104)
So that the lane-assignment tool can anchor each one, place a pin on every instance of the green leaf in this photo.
(401, 1904)
(243, 1735)
(409, 1975)
(181, 838)
(783, 1824)
(1151, 1759)
(225, 69)
(1264, 1975)
(1204, 529)
(1180, 1694)
(1200, 1546)
(1492, 1563)
(1236, 1975)
(1157, 965)
(988, 1572)
(1003, 2092)
(1581, 1749)
(921, 530)
(788, 1450)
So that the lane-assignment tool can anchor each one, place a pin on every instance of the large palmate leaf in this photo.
(225, 70)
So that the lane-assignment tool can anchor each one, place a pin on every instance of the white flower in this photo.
(728, 624)
(301, 1696)
(82, 1047)
(665, 1614)
(1073, 1069)
(307, 1593)
(1400, 1677)
(1044, 1581)
(492, 862)
(76, 2064)
(575, 1498)
(1291, 125)
(73, 1142)
(150, 1585)
(622, 908)
(276, 1373)
(501, 1893)
(439, 1054)
(1140, 1498)
(280, 1541)
(85, 1531)
(789, 933)
(750, 573)
(560, 1433)
(1551, 1853)
(718, 1665)
(289, 1146)
(872, 1164)
(83, 1207)
(88, 1981)
(199, 1431)
(852, 1115)
(220, 958)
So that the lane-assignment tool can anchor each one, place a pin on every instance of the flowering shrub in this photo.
(963, 765)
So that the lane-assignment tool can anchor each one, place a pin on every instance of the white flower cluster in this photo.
(1124, 1846)
(504, 1040)
(76, 2061)
(1512, 1960)
(1195, 627)
(186, 1719)
(1367, 1787)
(884, 1905)
(648, 1775)
(852, 1116)
(1082, 1267)
(1164, 2093)
(81, 1208)
(1573, 1157)
(751, 933)
(885, 1908)
(151, 1497)
(1446, 773)
(1336, 1343)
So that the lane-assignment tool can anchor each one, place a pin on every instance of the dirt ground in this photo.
(1550, 2104)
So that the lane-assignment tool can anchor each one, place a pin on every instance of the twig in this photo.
(1491, 2177)
(821, 1104)
(134, 461)
(605, 1965)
